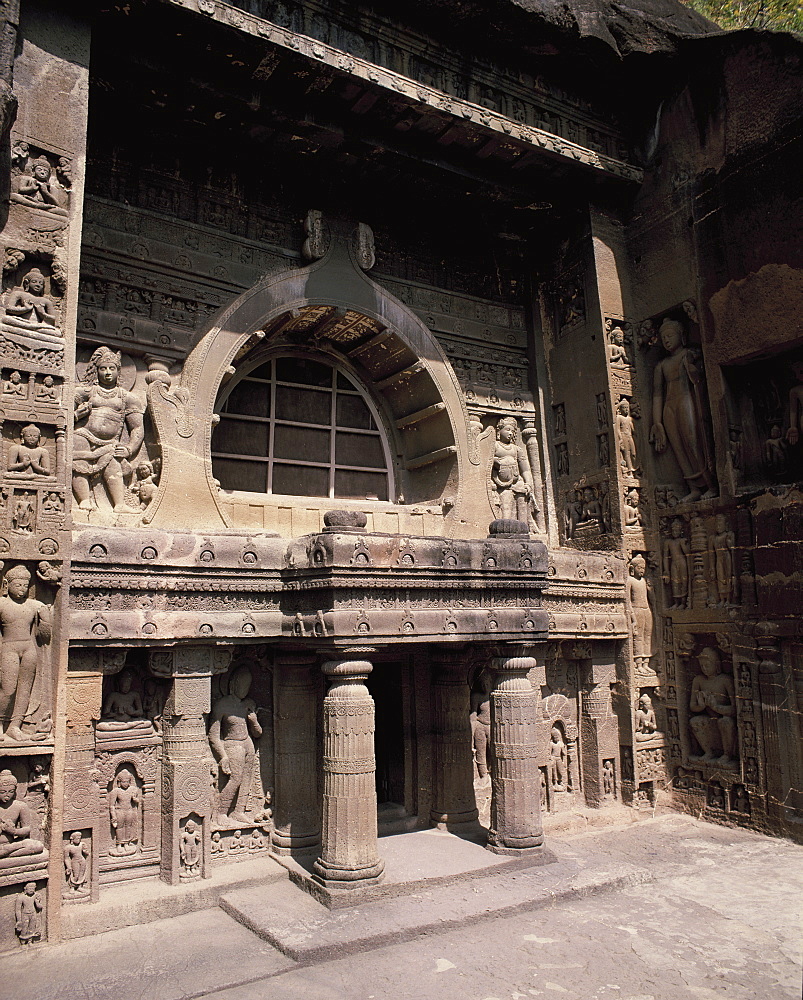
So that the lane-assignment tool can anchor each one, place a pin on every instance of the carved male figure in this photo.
(14, 386)
(29, 305)
(557, 761)
(190, 848)
(28, 914)
(36, 190)
(481, 723)
(124, 803)
(123, 708)
(511, 472)
(714, 703)
(29, 456)
(233, 728)
(17, 822)
(108, 410)
(25, 623)
(76, 864)
(645, 719)
(641, 623)
(676, 565)
(626, 434)
(720, 560)
(679, 412)
(23, 516)
(47, 391)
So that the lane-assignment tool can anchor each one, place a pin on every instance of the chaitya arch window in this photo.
(300, 427)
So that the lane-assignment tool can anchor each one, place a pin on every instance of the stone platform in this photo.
(434, 881)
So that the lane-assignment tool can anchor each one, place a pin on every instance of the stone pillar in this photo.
(454, 801)
(349, 855)
(296, 802)
(187, 761)
(515, 781)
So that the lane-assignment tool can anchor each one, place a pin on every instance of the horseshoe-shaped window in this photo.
(298, 426)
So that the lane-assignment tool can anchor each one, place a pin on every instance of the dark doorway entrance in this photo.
(385, 685)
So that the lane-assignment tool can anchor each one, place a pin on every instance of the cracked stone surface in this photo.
(721, 918)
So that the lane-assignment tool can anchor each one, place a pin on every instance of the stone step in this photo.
(303, 929)
(142, 901)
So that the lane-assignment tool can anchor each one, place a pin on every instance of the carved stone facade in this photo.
(476, 504)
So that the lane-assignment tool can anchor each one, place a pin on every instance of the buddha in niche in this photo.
(713, 701)
(679, 412)
(36, 189)
(232, 733)
(123, 710)
(29, 456)
(18, 826)
(29, 308)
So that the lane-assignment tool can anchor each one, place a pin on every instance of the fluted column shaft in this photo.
(453, 800)
(349, 852)
(296, 810)
(515, 781)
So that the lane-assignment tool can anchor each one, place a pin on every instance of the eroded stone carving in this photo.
(639, 593)
(125, 802)
(26, 625)
(675, 566)
(28, 308)
(557, 760)
(76, 865)
(190, 851)
(722, 577)
(19, 830)
(28, 908)
(29, 457)
(103, 410)
(713, 703)
(679, 412)
(511, 476)
(234, 726)
(37, 189)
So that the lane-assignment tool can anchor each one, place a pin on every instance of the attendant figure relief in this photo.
(76, 865)
(28, 914)
(103, 411)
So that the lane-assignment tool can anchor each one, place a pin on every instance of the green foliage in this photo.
(774, 15)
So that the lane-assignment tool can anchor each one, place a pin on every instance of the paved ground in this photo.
(721, 918)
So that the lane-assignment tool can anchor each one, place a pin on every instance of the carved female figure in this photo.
(124, 803)
(641, 624)
(97, 447)
(679, 412)
(676, 565)
(76, 867)
(510, 472)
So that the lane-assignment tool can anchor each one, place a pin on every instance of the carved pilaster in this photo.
(454, 800)
(349, 855)
(515, 781)
(296, 809)
(186, 759)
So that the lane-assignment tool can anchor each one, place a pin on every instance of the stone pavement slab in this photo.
(720, 920)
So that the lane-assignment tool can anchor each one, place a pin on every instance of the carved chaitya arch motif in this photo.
(394, 352)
